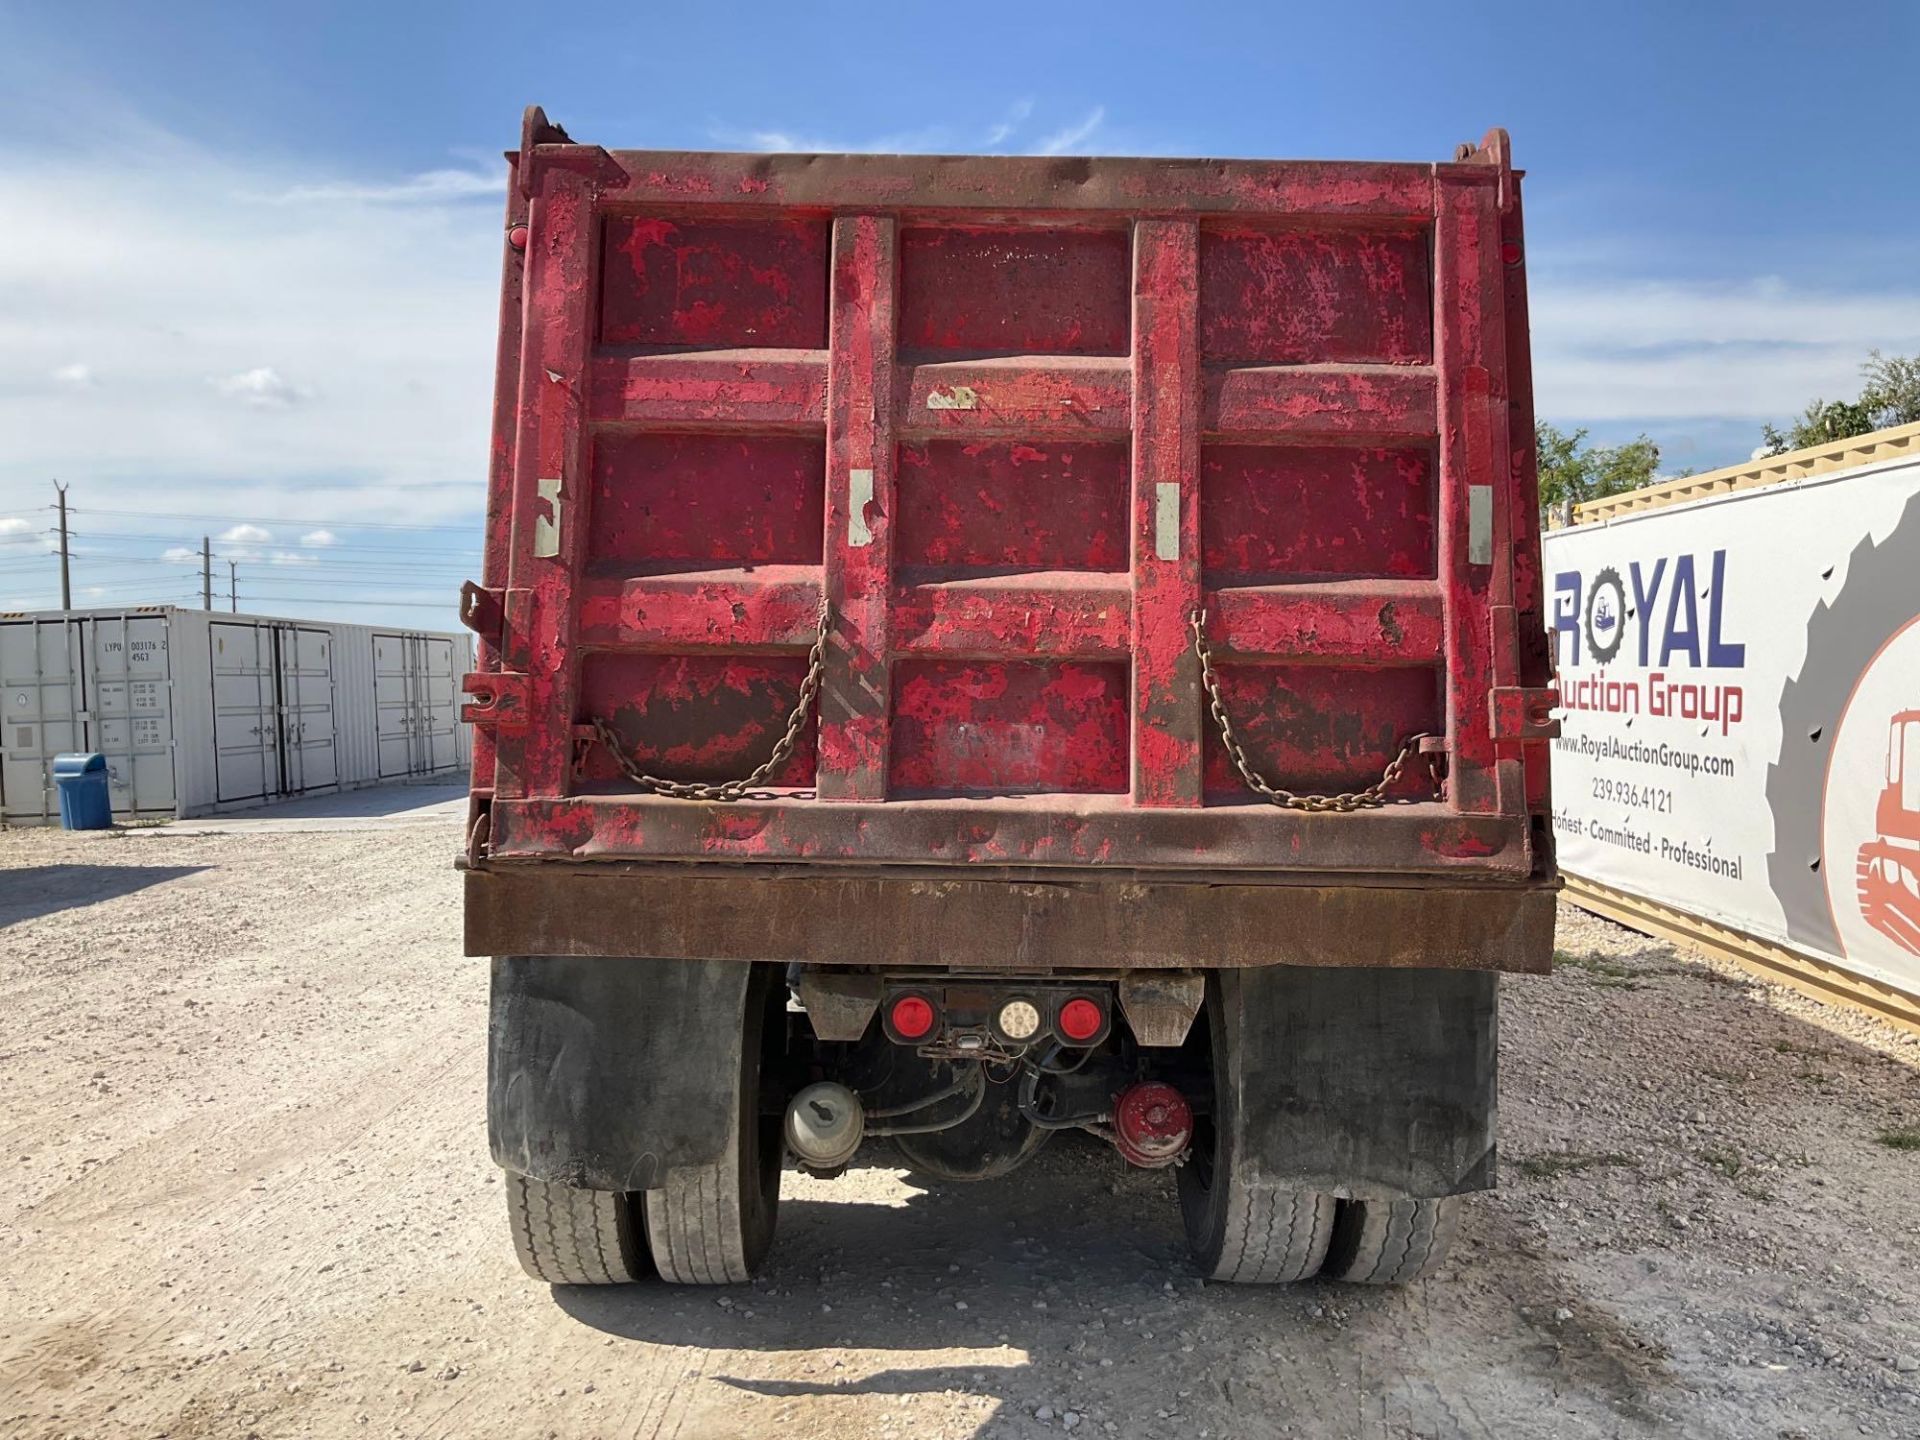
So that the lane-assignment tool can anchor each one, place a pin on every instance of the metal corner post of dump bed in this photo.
(1044, 436)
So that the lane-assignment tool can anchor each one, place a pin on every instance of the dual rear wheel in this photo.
(1256, 1234)
(702, 1225)
(708, 1225)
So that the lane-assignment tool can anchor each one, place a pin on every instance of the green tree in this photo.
(1822, 423)
(1892, 393)
(1572, 470)
(1891, 396)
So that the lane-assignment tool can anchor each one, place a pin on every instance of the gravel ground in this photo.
(250, 1195)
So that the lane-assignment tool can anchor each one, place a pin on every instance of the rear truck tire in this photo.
(713, 1224)
(1391, 1242)
(1242, 1229)
(1251, 1234)
(567, 1236)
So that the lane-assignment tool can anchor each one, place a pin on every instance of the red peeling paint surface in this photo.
(1017, 421)
(1014, 291)
(714, 283)
(1045, 505)
(1009, 726)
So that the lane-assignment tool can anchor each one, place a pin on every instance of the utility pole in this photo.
(206, 572)
(66, 576)
(233, 586)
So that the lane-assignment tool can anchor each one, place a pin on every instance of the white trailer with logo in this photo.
(1739, 671)
(198, 711)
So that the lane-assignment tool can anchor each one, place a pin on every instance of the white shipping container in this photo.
(198, 711)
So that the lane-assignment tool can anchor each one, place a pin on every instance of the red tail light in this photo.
(911, 1018)
(1081, 1021)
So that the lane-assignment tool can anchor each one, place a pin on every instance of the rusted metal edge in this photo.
(968, 923)
(1012, 874)
(1280, 192)
(1422, 838)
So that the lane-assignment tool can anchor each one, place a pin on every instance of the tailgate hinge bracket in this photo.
(1523, 712)
(498, 701)
(483, 610)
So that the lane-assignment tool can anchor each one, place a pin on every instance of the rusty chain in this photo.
(609, 738)
(1372, 796)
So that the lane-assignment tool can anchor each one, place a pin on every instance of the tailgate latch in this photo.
(1521, 712)
(499, 700)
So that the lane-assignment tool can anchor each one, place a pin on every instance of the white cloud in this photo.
(181, 555)
(428, 187)
(78, 375)
(316, 538)
(927, 139)
(14, 530)
(1751, 350)
(263, 387)
(245, 535)
(1073, 136)
(183, 263)
(904, 142)
(1005, 129)
(288, 557)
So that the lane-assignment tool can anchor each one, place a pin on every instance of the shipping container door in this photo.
(129, 695)
(245, 735)
(306, 709)
(393, 704)
(440, 704)
(41, 688)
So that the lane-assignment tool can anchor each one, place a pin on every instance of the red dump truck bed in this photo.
(1010, 434)
(981, 647)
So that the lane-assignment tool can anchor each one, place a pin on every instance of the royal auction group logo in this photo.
(1606, 619)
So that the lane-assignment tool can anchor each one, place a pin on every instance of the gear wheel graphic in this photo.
(1843, 636)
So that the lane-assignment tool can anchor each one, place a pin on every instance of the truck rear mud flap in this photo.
(602, 1073)
(1362, 1083)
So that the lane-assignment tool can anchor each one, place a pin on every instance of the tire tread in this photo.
(696, 1212)
(567, 1236)
(1272, 1236)
(1391, 1242)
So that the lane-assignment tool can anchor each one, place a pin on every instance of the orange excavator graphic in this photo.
(1889, 869)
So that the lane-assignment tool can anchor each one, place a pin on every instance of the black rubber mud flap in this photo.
(1362, 1082)
(602, 1072)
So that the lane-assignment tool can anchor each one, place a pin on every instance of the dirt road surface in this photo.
(248, 1194)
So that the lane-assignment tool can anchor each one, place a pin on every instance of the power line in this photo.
(229, 518)
(449, 605)
(130, 537)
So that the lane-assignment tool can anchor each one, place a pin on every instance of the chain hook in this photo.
(1369, 798)
(609, 738)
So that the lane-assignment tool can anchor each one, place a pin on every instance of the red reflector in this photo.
(912, 1017)
(1081, 1019)
(1510, 252)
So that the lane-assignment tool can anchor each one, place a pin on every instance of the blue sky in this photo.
(247, 276)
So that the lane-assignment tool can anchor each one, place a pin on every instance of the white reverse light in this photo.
(1019, 1020)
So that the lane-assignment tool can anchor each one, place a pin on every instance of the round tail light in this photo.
(1081, 1021)
(1018, 1020)
(911, 1017)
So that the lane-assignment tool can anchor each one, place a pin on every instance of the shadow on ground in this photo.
(35, 890)
(1067, 1287)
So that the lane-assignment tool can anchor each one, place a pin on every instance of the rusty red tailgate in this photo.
(1016, 423)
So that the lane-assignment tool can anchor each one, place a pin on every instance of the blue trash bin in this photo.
(85, 801)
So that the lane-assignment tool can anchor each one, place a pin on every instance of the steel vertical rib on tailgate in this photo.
(1324, 346)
